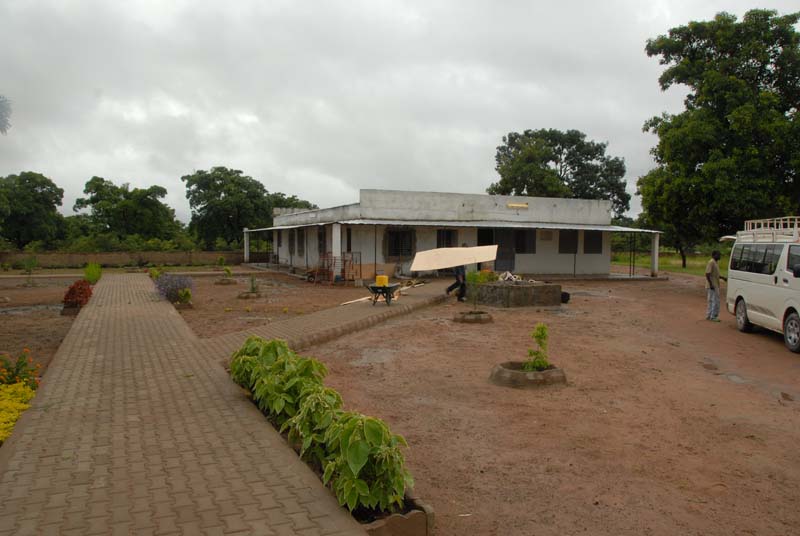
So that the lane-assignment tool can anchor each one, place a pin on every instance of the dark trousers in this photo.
(462, 288)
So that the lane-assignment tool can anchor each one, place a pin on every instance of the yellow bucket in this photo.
(382, 280)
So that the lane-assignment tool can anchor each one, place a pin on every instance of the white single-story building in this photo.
(384, 230)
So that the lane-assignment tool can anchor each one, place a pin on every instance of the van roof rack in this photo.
(785, 229)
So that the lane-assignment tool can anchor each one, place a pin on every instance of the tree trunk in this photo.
(683, 256)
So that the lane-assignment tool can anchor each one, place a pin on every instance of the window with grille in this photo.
(524, 240)
(291, 241)
(321, 241)
(280, 239)
(399, 243)
(301, 242)
(446, 238)
(593, 242)
(567, 241)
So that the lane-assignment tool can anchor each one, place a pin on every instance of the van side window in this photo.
(793, 259)
(757, 258)
(736, 257)
(771, 260)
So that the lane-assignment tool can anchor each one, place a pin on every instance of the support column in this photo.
(246, 245)
(336, 240)
(654, 254)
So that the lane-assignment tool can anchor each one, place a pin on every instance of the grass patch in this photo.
(671, 262)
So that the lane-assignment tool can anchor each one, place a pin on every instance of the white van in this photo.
(764, 278)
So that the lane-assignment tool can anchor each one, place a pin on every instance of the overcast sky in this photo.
(320, 99)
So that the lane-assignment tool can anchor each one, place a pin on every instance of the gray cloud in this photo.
(321, 99)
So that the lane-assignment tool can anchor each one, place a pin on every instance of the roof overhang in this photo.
(470, 223)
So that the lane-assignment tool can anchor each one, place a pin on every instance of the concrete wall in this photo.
(123, 258)
(399, 205)
(547, 259)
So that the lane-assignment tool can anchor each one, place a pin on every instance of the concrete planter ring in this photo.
(417, 521)
(510, 374)
(248, 295)
(473, 317)
(225, 281)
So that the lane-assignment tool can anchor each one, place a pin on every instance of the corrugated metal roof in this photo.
(467, 223)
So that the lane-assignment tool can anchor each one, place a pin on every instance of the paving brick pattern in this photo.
(136, 429)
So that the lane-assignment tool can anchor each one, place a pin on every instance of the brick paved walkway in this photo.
(136, 429)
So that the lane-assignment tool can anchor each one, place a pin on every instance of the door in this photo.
(504, 238)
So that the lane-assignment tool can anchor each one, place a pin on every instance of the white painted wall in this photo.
(547, 259)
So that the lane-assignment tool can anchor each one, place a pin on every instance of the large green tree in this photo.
(5, 114)
(126, 211)
(225, 201)
(31, 213)
(734, 152)
(552, 163)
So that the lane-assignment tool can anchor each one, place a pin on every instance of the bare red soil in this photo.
(216, 310)
(32, 317)
(669, 424)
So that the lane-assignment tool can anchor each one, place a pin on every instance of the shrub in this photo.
(78, 294)
(154, 273)
(221, 260)
(92, 273)
(14, 400)
(169, 285)
(474, 279)
(5, 266)
(185, 296)
(29, 264)
(227, 270)
(366, 466)
(537, 359)
(361, 458)
(253, 284)
(22, 370)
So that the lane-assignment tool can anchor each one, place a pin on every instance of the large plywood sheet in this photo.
(437, 259)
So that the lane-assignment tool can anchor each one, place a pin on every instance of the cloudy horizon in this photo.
(320, 100)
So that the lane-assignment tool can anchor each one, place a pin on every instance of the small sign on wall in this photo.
(545, 235)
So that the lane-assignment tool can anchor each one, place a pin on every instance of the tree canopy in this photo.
(552, 163)
(225, 201)
(31, 212)
(734, 152)
(5, 114)
(124, 211)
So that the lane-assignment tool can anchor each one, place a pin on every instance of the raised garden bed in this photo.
(511, 374)
(517, 293)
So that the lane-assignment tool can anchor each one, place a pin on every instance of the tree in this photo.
(5, 115)
(552, 163)
(734, 152)
(224, 202)
(32, 213)
(125, 211)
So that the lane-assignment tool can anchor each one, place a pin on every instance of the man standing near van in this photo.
(712, 286)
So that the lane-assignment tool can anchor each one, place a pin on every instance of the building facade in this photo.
(386, 228)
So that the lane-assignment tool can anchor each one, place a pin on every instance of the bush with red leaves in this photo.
(78, 294)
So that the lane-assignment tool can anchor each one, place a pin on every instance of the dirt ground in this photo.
(216, 310)
(32, 318)
(669, 424)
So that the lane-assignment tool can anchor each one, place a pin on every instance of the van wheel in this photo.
(742, 322)
(791, 332)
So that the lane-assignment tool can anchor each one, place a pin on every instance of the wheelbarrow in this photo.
(387, 291)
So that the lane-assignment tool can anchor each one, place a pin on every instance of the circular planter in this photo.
(473, 317)
(510, 374)
(225, 281)
(180, 306)
(248, 295)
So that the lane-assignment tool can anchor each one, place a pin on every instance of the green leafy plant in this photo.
(366, 467)
(319, 408)
(154, 273)
(5, 266)
(537, 358)
(253, 284)
(221, 260)
(29, 264)
(20, 370)
(228, 271)
(92, 272)
(185, 296)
